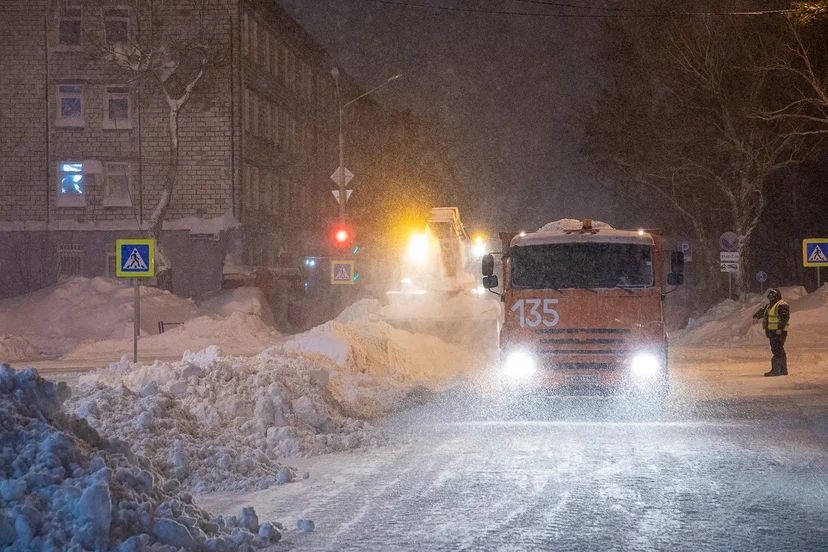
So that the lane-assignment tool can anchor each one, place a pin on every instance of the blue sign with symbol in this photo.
(729, 242)
(686, 247)
(815, 252)
(761, 276)
(135, 258)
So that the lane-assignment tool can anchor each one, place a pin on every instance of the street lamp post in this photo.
(341, 174)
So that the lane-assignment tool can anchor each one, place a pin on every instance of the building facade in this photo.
(87, 144)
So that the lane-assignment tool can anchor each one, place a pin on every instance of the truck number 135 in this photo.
(534, 312)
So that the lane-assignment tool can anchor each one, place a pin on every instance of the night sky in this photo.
(511, 88)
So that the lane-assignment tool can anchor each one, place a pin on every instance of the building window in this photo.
(276, 121)
(69, 259)
(254, 40)
(117, 112)
(70, 105)
(71, 184)
(69, 27)
(116, 25)
(245, 34)
(274, 55)
(245, 110)
(254, 192)
(266, 49)
(254, 115)
(265, 120)
(116, 185)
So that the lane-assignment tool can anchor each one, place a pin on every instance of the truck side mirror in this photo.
(487, 265)
(490, 282)
(676, 275)
(677, 262)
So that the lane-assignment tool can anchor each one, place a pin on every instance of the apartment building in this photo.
(86, 145)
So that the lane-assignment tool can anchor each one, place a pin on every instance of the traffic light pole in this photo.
(342, 197)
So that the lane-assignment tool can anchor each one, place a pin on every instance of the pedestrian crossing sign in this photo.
(342, 272)
(815, 252)
(135, 258)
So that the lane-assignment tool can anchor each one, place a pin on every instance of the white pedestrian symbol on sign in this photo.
(817, 256)
(135, 261)
(342, 273)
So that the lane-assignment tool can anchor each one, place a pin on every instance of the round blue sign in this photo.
(761, 276)
(729, 242)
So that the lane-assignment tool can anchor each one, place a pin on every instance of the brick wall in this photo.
(22, 111)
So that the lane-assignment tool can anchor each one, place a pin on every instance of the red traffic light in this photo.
(342, 235)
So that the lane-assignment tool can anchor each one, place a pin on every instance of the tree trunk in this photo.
(163, 267)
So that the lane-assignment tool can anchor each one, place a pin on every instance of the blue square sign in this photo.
(135, 258)
(815, 252)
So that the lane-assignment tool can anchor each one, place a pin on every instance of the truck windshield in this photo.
(581, 265)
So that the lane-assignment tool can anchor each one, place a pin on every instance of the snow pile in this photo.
(216, 422)
(13, 347)
(570, 224)
(64, 487)
(462, 318)
(246, 300)
(94, 316)
(58, 318)
(732, 322)
(376, 369)
(237, 333)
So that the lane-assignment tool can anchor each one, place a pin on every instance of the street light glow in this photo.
(342, 193)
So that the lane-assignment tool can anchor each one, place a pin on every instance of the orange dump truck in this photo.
(584, 310)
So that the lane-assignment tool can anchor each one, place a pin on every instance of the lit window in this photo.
(70, 105)
(116, 25)
(117, 112)
(116, 184)
(71, 184)
(71, 179)
(69, 27)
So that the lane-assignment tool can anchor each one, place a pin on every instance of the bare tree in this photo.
(697, 141)
(804, 61)
(168, 54)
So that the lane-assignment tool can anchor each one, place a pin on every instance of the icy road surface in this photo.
(739, 463)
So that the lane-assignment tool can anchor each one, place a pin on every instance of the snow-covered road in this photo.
(725, 470)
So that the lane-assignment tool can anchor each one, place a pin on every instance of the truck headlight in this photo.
(519, 365)
(645, 365)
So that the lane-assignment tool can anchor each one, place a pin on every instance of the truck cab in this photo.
(584, 310)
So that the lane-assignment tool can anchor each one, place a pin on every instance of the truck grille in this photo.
(605, 342)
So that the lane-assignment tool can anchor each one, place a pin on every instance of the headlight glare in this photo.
(645, 365)
(519, 365)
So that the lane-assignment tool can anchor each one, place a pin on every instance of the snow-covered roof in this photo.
(569, 231)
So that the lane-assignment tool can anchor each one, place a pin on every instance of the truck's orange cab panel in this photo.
(583, 311)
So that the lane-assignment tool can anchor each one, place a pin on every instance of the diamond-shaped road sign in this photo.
(347, 195)
(348, 175)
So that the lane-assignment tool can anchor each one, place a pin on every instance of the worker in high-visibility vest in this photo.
(776, 316)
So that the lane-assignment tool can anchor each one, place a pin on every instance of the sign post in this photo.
(815, 254)
(135, 258)
(729, 262)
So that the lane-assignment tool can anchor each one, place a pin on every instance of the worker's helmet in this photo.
(774, 294)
